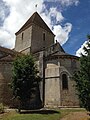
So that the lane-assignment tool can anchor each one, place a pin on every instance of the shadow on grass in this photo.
(38, 112)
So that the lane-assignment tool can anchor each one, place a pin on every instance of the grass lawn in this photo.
(37, 115)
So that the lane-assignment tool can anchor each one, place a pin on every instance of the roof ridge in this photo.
(7, 50)
(35, 19)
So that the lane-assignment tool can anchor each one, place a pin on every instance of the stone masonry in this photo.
(36, 38)
(56, 67)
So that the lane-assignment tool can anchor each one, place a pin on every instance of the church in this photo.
(56, 67)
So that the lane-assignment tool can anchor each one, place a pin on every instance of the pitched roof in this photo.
(6, 58)
(64, 55)
(5, 52)
(37, 20)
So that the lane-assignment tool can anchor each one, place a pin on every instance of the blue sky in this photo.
(68, 19)
(80, 18)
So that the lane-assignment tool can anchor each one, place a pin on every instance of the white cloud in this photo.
(6, 39)
(56, 14)
(69, 2)
(62, 33)
(3, 11)
(52, 13)
(2, 14)
(81, 50)
(65, 2)
(21, 10)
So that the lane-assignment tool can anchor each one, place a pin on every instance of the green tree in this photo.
(25, 78)
(82, 77)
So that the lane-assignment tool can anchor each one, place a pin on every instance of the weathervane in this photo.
(36, 7)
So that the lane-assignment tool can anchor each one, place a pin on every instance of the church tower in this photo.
(56, 67)
(34, 35)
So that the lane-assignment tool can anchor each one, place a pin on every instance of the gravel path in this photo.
(77, 116)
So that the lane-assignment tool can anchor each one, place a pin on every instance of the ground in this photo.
(76, 116)
(56, 114)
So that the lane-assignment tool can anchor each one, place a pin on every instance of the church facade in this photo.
(56, 67)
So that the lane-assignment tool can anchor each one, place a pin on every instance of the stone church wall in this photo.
(69, 97)
(37, 38)
(70, 64)
(54, 93)
(32, 40)
(52, 87)
(34, 33)
(23, 41)
(5, 79)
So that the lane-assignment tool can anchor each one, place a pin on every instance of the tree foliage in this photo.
(25, 78)
(82, 77)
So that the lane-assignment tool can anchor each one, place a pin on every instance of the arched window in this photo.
(64, 82)
(44, 36)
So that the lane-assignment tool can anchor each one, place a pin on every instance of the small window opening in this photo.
(64, 82)
(22, 35)
(44, 37)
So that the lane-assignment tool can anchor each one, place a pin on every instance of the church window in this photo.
(44, 37)
(64, 82)
(22, 35)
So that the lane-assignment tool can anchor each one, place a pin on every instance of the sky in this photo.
(68, 19)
